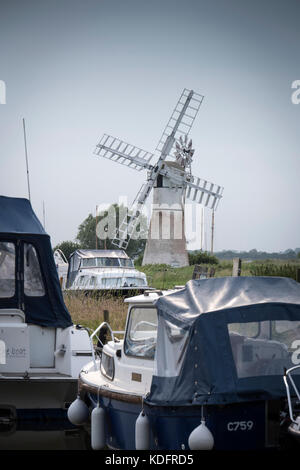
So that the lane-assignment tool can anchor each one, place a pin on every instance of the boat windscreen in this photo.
(33, 282)
(100, 262)
(141, 332)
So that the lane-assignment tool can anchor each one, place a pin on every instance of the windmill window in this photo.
(159, 181)
(33, 282)
(7, 269)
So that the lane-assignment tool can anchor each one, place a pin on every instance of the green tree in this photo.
(86, 235)
(106, 225)
(198, 257)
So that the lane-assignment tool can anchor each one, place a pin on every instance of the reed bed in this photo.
(88, 310)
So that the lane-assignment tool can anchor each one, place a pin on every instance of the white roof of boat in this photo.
(102, 254)
(110, 270)
(150, 296)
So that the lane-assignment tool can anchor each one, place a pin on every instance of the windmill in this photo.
(171, 181)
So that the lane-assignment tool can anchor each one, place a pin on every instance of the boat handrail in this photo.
(104, 323)
(95, 334)
(287, 374)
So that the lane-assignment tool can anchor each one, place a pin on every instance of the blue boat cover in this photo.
(21, 229)
(226, 340)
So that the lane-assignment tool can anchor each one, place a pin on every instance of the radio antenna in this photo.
(26, 156)
(44, 215)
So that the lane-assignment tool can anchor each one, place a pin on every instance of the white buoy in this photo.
(201, 438)
(78, 412)
(98, 428)
(142, 432)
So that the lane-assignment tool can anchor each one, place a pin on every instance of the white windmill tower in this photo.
(172, 181)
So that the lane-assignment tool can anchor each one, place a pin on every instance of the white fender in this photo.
(78, 412)
(98, 428)
(201, 438)
(142, 432)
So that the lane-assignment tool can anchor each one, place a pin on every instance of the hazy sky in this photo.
(77, 69)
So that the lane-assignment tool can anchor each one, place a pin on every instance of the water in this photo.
(51, 435)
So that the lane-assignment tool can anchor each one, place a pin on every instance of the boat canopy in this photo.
(28, 275)
(226, 340)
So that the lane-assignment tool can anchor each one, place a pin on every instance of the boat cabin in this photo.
(36, 331)
(103, 270)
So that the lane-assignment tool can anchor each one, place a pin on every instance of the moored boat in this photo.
(104, 271)
(198, 368)
(41, 351)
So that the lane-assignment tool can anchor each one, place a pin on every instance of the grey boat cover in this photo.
(226, 340)
(25, 245)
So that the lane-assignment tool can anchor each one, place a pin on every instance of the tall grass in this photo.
(89, 310)
(268, 269)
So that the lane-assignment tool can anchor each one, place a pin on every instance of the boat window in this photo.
(134, 281)
(33, 282)
(251, 329)
(112, 282)
(107, 262)
(93, 281)
(107, 365)
(141, 333)
(265, 348)
(172, 344)
(89, 262)
(126, 263)
(7, 269)
(82, 280)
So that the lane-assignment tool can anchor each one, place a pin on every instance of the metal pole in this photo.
(26, 156)
(44, 223)
(202, 228)
(212, 231)
(96, 228)
(106, 316)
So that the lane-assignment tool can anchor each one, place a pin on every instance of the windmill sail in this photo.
(121, 152)
(187, 117)
(205, 193)
(166, 143)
